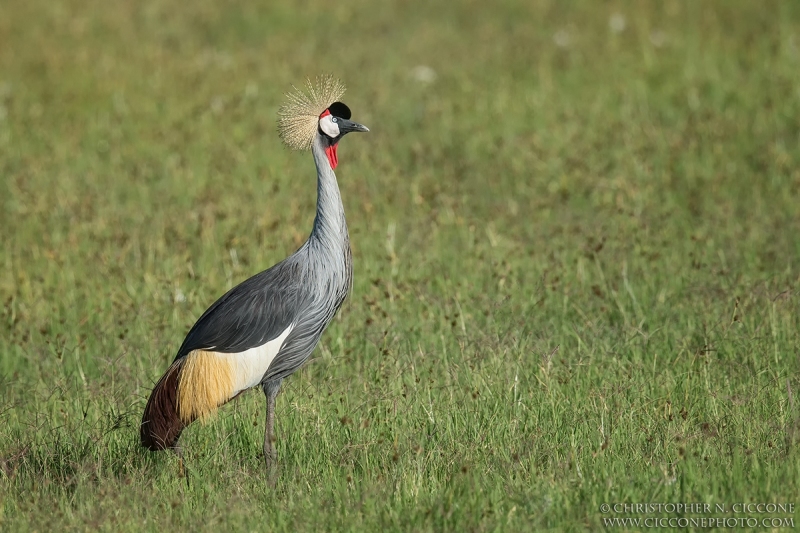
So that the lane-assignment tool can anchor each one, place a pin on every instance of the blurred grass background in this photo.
(575, 232)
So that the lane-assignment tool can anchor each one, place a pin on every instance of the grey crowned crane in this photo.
(262, 330)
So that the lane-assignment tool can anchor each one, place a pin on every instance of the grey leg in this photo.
(271, 389)
(181, 468)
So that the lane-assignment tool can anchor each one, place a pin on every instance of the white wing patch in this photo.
(251, 365)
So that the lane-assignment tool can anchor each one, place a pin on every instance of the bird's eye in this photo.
(334, 119)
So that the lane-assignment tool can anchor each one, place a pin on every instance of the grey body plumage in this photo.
(274, 319)
(305, 290)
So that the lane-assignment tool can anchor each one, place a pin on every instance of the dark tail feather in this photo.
(161, 426)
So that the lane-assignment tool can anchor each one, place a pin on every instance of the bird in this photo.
(261, 331)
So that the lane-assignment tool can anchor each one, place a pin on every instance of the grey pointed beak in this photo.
(347, 126)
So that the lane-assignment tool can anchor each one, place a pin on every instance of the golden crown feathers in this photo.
(299, 116)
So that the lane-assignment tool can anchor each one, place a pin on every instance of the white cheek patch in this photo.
(329, 127)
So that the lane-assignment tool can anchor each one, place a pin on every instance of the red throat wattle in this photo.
(330, 151)
(332, 157)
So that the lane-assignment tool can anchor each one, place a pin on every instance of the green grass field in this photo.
(576, 237)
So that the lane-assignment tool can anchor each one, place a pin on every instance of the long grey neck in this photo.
(330, 227)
